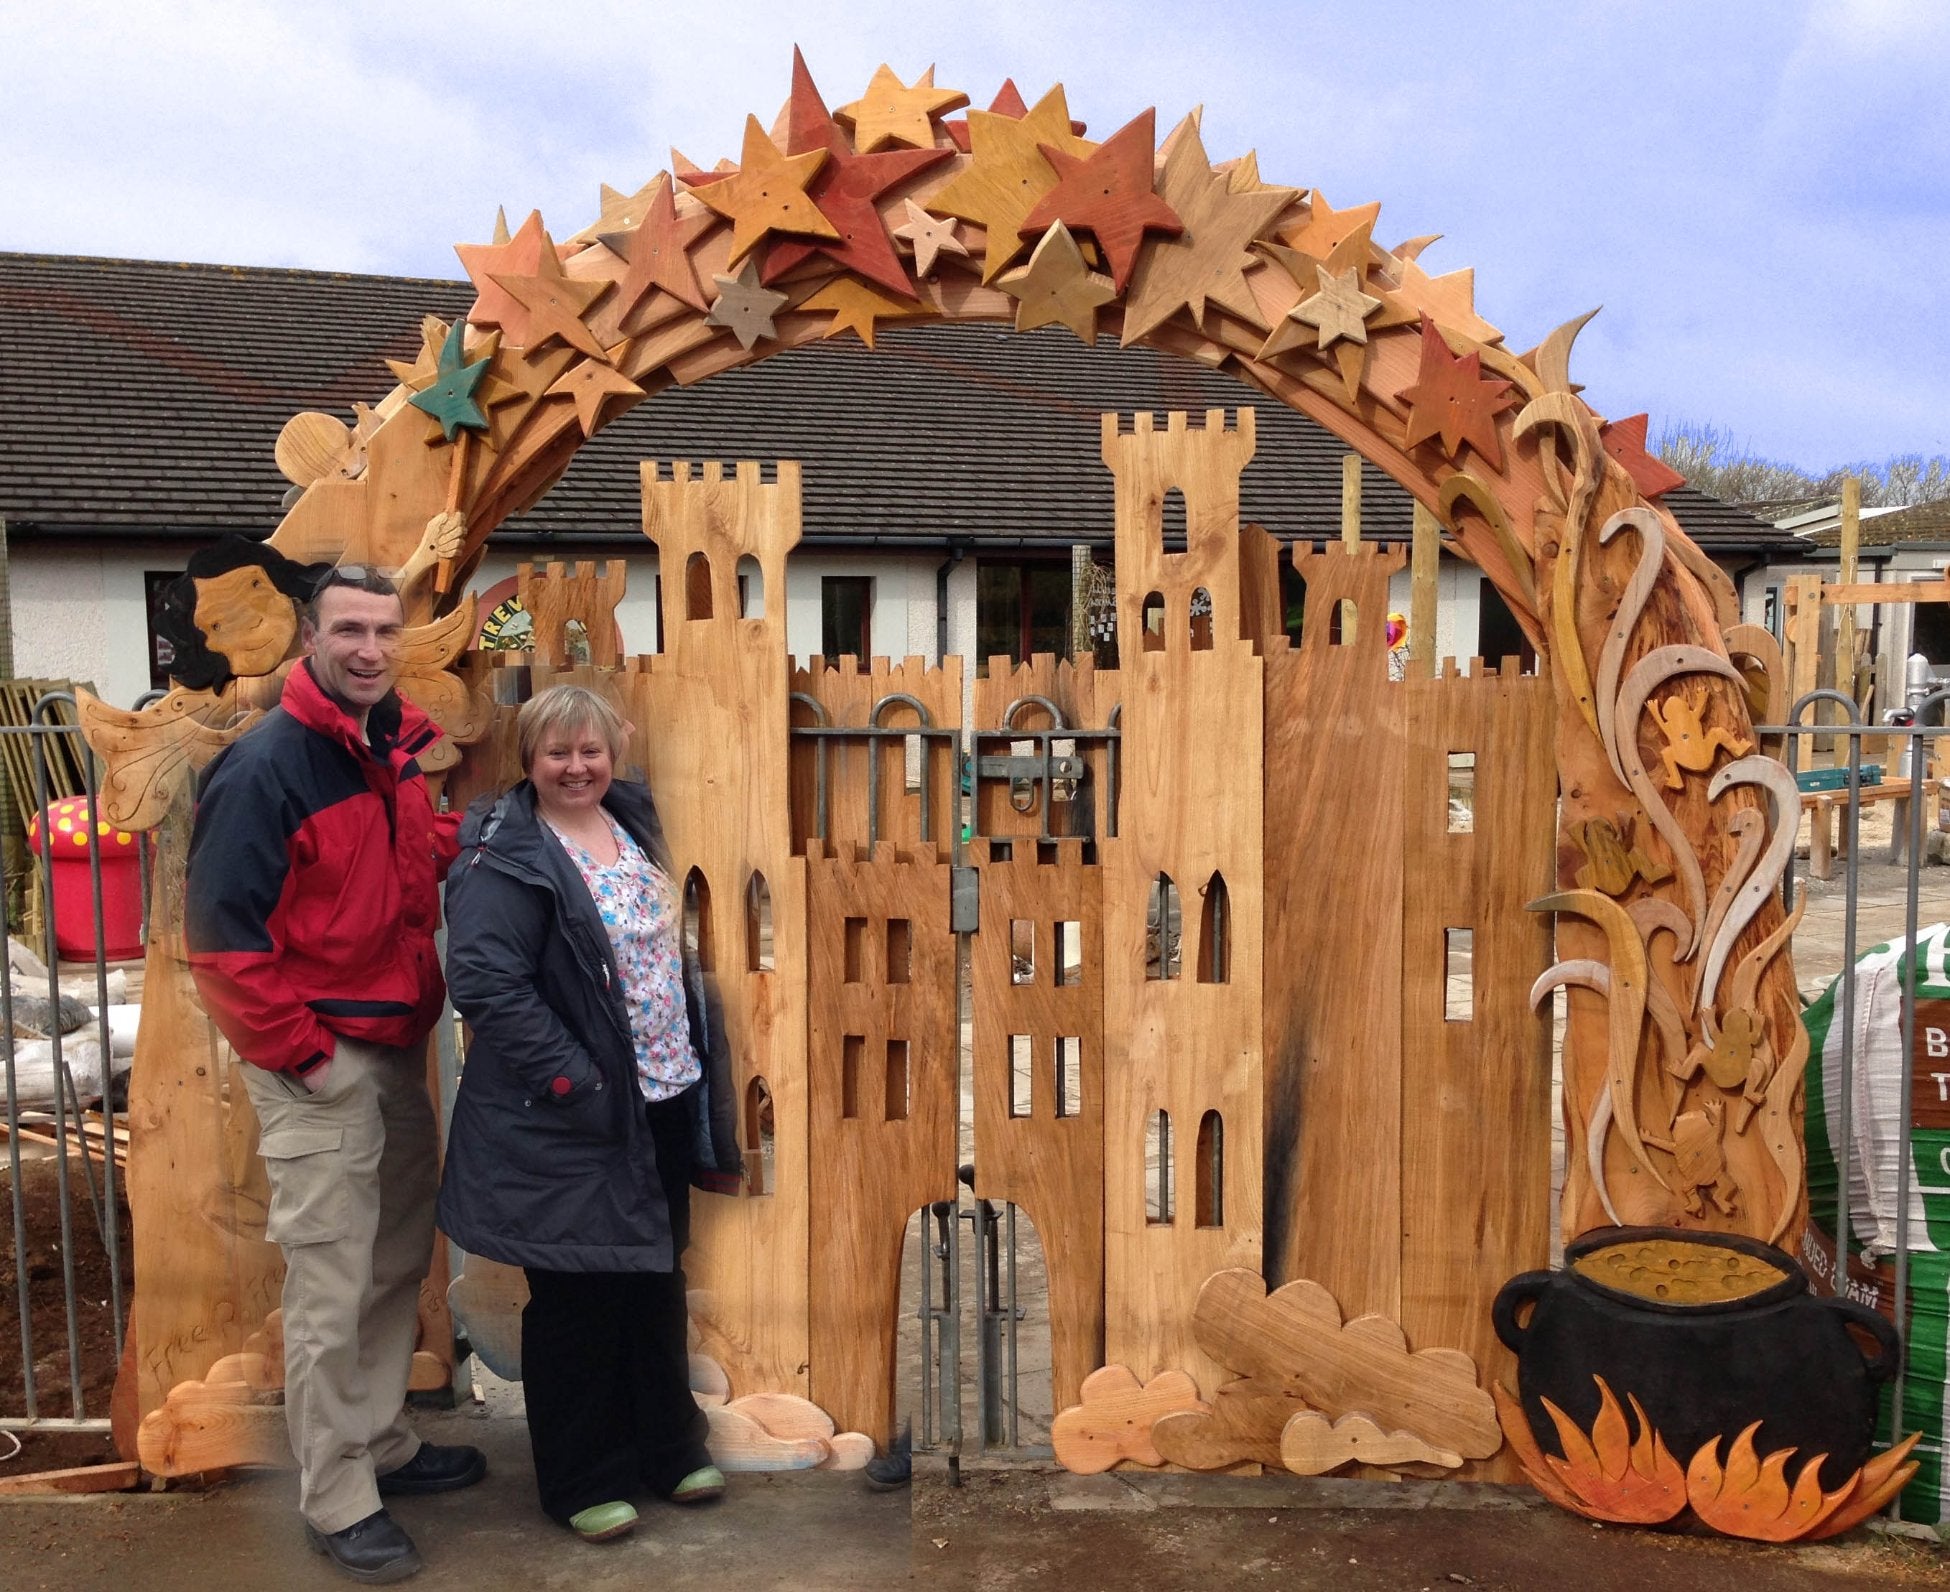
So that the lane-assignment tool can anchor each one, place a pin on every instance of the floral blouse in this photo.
(638, 906)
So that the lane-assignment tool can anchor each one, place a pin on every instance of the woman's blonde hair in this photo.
(565, 709)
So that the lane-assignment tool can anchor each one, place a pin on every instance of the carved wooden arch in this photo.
(882, 210)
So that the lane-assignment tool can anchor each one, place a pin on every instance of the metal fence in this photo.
(48, 1119)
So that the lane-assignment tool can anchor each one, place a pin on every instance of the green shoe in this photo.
(701, 1486)
(601, 1522)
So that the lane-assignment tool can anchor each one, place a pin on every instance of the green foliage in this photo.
(1710, 460)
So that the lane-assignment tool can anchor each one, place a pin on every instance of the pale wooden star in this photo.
(1353, 254)
(766, 194)
(930, 235)
(890, 112)
(1339, 309)
(592, 383)
(857, 305)
(743, 307)
(1203, 263)
(1056, 288)
(620, 212)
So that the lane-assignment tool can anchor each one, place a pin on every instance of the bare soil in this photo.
(94, 1315)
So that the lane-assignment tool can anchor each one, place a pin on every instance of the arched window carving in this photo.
(697, 587)
(697, 919)
(1215, 933)
(1173, 528)
(758, 1126)
(1159, 1202)
(1209, 1170)
(1151, 622)
(751, 588)
(758, 925)
(1163, 929)
(1201, 620)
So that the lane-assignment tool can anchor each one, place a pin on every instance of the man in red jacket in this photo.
(312, 902)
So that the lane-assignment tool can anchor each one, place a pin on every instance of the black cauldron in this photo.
(1777, 1355)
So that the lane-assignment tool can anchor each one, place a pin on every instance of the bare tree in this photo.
(1710, 459)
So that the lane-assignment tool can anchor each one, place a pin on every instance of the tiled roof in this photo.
(145, 398)
(1921, 522)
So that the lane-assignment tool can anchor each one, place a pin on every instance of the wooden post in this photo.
(1845, 667)
(1351, 501)
(1421, 598)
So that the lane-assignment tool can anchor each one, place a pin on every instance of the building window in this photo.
(846, 616)
(1020, 610)
(1498, 635)
(162, 656)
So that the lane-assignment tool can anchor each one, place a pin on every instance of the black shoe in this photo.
(435, 1468)
(373, 1550)
(894, 1469)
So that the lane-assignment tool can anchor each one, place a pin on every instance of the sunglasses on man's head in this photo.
(345, 575)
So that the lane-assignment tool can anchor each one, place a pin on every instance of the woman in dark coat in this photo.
(596, 1091)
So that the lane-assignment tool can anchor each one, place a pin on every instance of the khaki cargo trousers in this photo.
(353, 1172)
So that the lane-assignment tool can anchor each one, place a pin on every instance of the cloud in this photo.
(1758, 197)
(1113, 1419)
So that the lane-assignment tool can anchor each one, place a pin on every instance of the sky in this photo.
(1758, 194)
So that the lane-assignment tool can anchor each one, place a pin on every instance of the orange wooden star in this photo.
(1324, 227)
(617, 211)
(856, 306)
(892, 113)
(592, 383)
(656, 249)
(1451, 398)
(1057, 288)
(845, 191)
(766, 194)
(1108, 194)
(520, 255)
(552, 304)
(930, 235)
(1007, 173)
(1451, 299)
(1624, 440)
(1206, 262)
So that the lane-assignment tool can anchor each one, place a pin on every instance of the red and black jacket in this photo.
(314, 873)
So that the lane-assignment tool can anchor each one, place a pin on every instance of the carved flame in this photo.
(1606, 1476)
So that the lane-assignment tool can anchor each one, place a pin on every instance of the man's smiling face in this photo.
(354, 645)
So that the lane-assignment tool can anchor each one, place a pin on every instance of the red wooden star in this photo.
(550, 304)
(656, 249)
(1624, 440)
(1451, 398)
(1108, 192)
(844, 191)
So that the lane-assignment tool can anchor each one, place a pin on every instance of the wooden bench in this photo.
(1823, 844)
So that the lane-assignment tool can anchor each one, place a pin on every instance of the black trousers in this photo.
(605, 1372)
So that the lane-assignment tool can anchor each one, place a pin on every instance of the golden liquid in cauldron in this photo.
(1674, 1271)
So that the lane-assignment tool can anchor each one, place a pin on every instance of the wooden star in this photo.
(1008, 101)
(552, 305)
(1007, 173)
(1206, 262)
(592, 383)
(1339, 309)
(1325, 227)
(1449, 299)
(892, 113)
(657, 250)
(845, 191)
(425, 369)
(766, 194)
(1624, 440)
(1108, 194)
(617, 211)
(520, 255)
(450, 396)
(930, 235)
(857, 305)
(1451, 398)
(743, 307)
(1353, 254)
(1056, 288)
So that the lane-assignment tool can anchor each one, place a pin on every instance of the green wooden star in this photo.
(449, 397)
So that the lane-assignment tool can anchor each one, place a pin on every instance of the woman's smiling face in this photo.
(571, 771)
